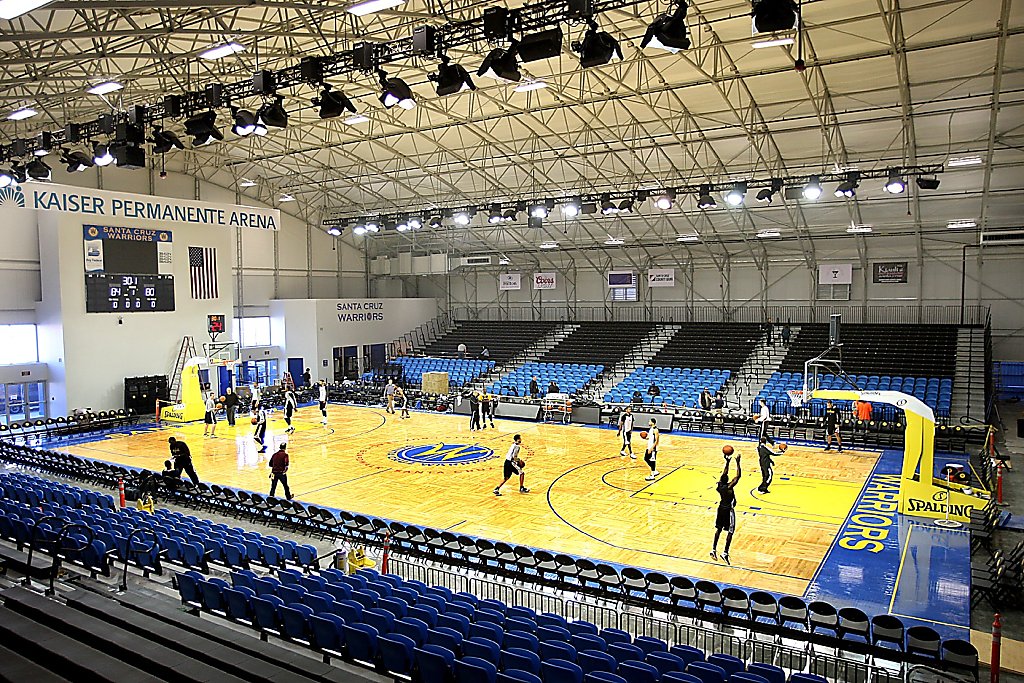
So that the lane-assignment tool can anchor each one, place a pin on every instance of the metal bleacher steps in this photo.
(639, 356)
(530, 354)
(969, 374)
(755, 372)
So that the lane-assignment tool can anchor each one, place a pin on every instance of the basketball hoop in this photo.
(796, 397)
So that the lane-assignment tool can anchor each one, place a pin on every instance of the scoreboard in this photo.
(128, 293)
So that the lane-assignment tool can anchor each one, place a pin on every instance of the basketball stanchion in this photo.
(997, 640)
(120, 490)
(947, 522)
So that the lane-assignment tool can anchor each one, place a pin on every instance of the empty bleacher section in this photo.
(569, 377)
(598, 343)
(503, 340)
(678, 386)
(871, 349)
(724, 346)
(460, 372)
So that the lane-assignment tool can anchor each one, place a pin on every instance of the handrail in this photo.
(129, 549)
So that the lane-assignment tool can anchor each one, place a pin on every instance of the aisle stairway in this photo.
(744, 385)
(969, 374)
(640, 356)
(529, 355)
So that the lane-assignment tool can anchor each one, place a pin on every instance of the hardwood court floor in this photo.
(585, 500)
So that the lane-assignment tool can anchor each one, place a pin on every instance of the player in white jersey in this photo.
(291, 404)
(260, 421)
(651, 453)
(322, 398)
(210, 419)
(514, 465)
(254, 403)
(626, 432)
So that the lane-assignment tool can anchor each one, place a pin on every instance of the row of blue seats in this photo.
(460, 371)
(386, 621)
(936, 393)
(570, 377)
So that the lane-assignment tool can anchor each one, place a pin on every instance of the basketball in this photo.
(643, 435)
(783, 447)
(219, 406)
(223, 399)
(254, 420)
(727, 450)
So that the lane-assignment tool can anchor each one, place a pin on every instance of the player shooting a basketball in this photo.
(725, 520)
(514, 465)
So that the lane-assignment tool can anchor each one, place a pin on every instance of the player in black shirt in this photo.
(725, 520)
(764, 457)
(832, 427)
(474, 412)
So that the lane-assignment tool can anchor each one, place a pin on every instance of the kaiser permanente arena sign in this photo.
(122, 205)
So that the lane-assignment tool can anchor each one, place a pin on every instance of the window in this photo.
(834, 292)
(629, 293)
(262, 371)
(252, 331)
(19, 344)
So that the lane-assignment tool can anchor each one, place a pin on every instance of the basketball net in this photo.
(796, 397)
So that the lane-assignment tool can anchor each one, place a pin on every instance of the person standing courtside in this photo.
(651, 452)
(764, 420)
(322, 398)
(725, 520)
(764, 458)
(706, 402)
(534, 387)
(403, 402)
(210, 419)
(514, 465)
(230, 405)
(291, 403)
(474, 411)
(279, 471)
(260, 434)
(832, 427)
(626, 432)
(492, 407)
(307, 378)
(181, 457)
(389, 396)
(255, 402)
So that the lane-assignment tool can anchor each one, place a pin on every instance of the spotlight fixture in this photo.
(571, 208)
(462, 218)
(597, 47)
(37, 169)
(812, 190)
(539, 211)
(607, 206)
(848, 188)
(273, 114)
(540, 45)
(44, 144)
(415, 223)
(359, 230)
(334, 231)
(76, 161)
(666, 200)
(510, 216)
(435, 222)
(395, 92)
(771, 16)
(246, 123)
(104, 88)
(402, 226)
(372, 226)
(927, 183)
(203, 129)
(704, 199)
(165, 140)
(501, 65)
(668, 32)
(627, 205)
(221, 51)
(101, 155)
(895, 184)
(22, 114)
(333, 104)
(495, 216)
(451, 78)
(736, 194)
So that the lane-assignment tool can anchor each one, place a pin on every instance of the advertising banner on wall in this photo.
(544, 280)
(889, 272)
(661, 277)
(835, 274)
(618, 279)
(510, 281)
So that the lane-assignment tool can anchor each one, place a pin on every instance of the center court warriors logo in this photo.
(442, 454)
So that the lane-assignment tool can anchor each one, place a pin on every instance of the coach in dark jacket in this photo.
(230, 405)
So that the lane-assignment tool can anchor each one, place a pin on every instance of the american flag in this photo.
(202, 269)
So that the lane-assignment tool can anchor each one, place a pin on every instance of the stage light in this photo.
(402, 227)
(334, 231)
(273, 114)
(848, 188)
(627, 205)
(765, 196)
(539, 211)
(927, 183)
(370, 6)
(203, 129)
(571, 208)
(221, 51)
(540, 45)
(372, 226)
(44, 144)
(668, 32)
(395, 92)
(704, 199)
(359, 230)
(736, 195)
(665, 201)
(415, 223)
(895, 184)
(12, 9)
(333, 104)
(771, 16)
(246, 123)
(812, 190)
(105, 88)
(101, 155)
(76, 161)
(435, 222)
(37, 169)
(510, 216)
(451, 78)
(607, 206)
(462, 218)
(495, 216)
(597, 47)
(22, 114)
(165, 140)
(501, 65)
(6, 179)
(530, 85)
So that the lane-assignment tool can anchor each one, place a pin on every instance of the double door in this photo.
(20, 401)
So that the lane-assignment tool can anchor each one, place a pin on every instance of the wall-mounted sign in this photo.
(889, 272)
(510, 281)
(544, 280)
(619, 279)
(661, 277)
(835, 274)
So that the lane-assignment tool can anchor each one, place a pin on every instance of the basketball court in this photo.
(806, 537)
